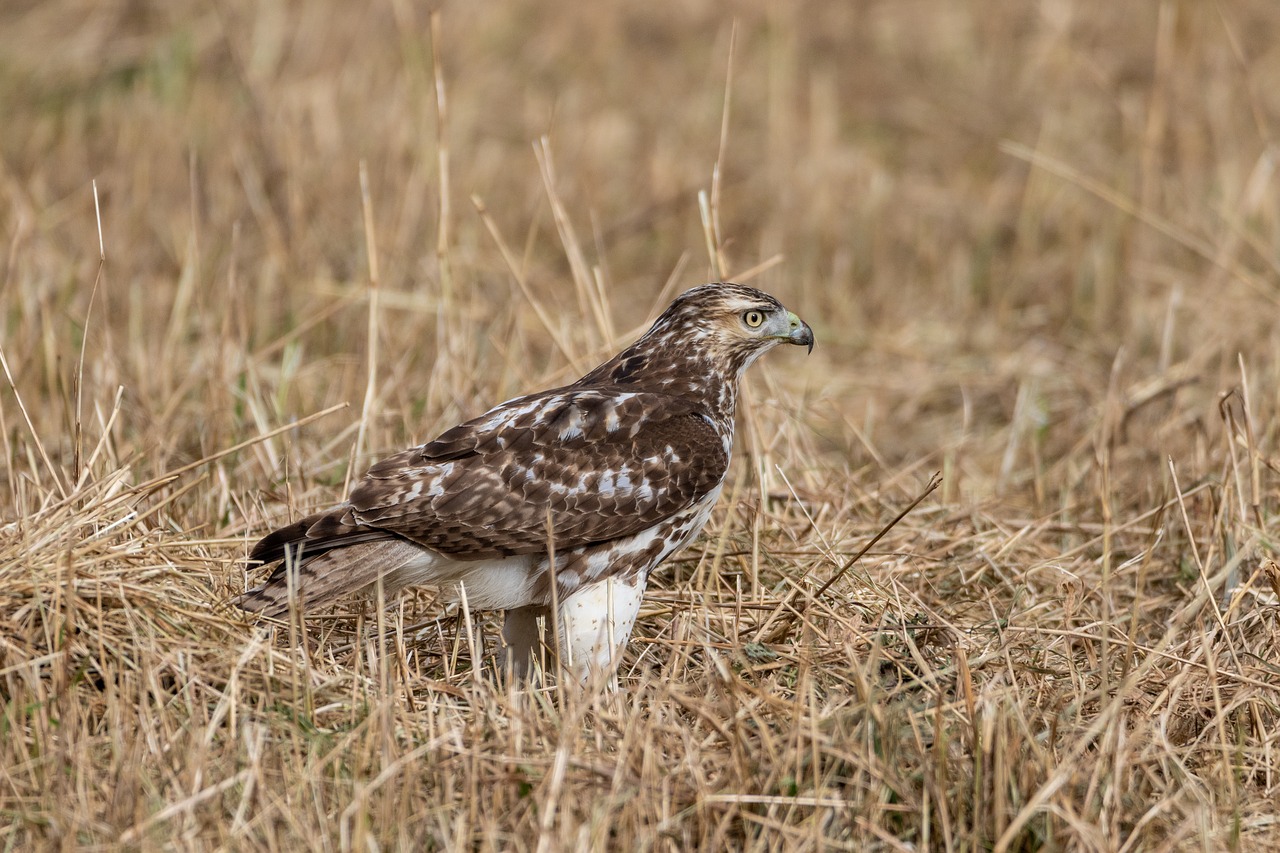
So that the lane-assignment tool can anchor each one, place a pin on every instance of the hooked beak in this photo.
(800, 333)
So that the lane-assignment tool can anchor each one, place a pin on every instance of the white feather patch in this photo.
(596, 622)
(499, 584)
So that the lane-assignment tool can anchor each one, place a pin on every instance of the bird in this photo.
(566, 498)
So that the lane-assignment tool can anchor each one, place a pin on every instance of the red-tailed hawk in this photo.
(613, 474)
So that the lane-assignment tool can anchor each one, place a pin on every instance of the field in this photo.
(249, 248)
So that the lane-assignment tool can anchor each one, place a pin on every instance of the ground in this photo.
(248, 248)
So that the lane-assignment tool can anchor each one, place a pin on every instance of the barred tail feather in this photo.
(322, 579)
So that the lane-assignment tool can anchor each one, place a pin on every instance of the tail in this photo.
(321, 580)
(323, 557)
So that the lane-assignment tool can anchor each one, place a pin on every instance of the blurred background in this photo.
(995, 214)
(1039, 245)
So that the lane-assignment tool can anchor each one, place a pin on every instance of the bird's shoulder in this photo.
(592, 419)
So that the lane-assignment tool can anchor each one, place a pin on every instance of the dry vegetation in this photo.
(1038, 243)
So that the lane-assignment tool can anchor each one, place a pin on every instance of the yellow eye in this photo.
(753, 319)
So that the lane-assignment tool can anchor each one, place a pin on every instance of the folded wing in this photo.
(594, 465)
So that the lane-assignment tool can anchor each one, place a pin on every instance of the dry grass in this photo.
(1038, 243)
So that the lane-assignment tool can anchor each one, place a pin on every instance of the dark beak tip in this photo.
(803, 337)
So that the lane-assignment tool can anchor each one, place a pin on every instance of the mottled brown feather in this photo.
(494, 498)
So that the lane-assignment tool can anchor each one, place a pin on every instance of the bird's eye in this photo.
(753, 319)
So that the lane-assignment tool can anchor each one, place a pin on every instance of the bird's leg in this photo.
(596, 622)
(522, 640)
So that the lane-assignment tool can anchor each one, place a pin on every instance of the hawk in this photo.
(611, 474)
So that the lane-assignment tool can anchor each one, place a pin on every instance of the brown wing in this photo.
(317, 533)
(604, 464)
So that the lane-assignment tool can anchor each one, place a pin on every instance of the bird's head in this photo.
(732, 323)
(711, 332)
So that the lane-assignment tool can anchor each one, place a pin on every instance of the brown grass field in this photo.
(1039, 244)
